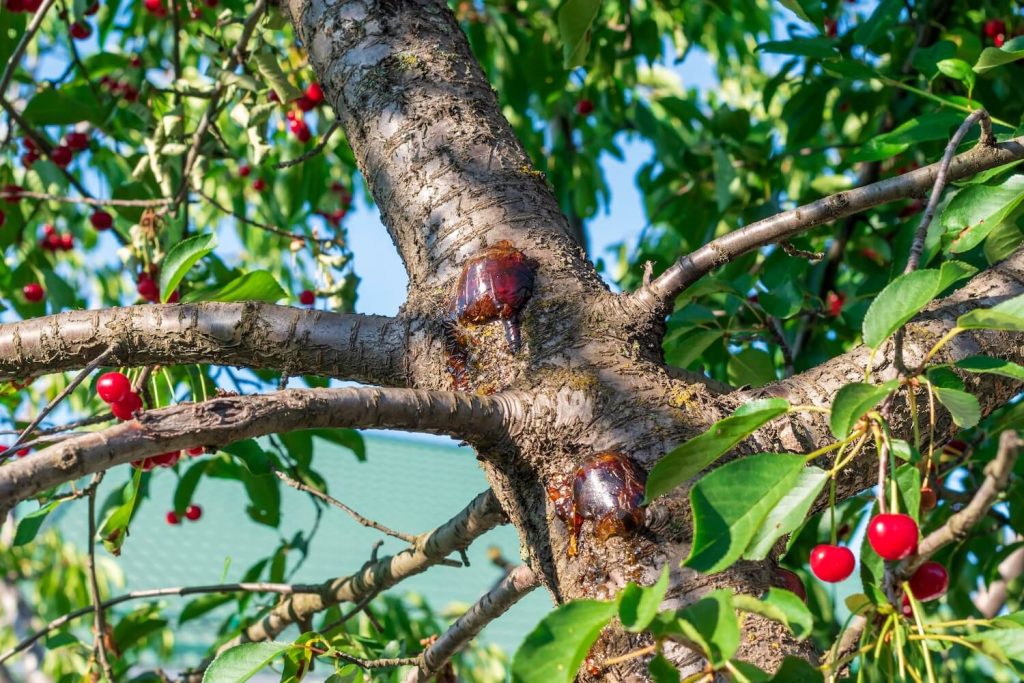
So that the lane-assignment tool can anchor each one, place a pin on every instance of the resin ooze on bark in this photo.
(495, 286)
(607, 489)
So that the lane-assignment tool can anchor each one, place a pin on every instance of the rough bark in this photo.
(365, 348)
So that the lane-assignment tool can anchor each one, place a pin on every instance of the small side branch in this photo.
(510, 590)
(99, 616)
(956, 528)
(228, 419)
(658, 296)
(324, 139)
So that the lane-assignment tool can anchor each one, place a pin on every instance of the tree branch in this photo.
(225, 420)
(992, 597)
(363, 348)
(516, 584)
(480, 516)
(659, 295)
(956, 528)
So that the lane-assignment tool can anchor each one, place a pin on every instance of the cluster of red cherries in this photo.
(115, 389)
(192, 513)
(310, 99)
(62, 155)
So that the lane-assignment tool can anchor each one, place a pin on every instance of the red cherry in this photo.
(136, 62)
(584, 107)
(67, 242)
(113, 387)
(126, 408)
(831, 27)
(166, 459)
(31, 6)
(13, 193)
(61, 156)
(101, 220)
(30, 144)
(314, 93)
(307, 298)
(33, 292)
(893, 536)
(91, 9)
(172, 518)
(76, 141)
(146, 464)
(14, 5)
(23, 452)
(174, 298)
(244, 170)
(129, 92)
(259, 185)
(3, 218)
(999, 40)
(153, 6)
(929, 582)
(28, 159)
(148, 288)
(305, 104)
(929, 498)
(195, 451)
(48, 229)
(834, 302)
(299, 128)
(994, 27)
(791, 582)
(193, 512)
(954, 450)
(80, 30)
(832, 563)
(272, 96)
(291, 115)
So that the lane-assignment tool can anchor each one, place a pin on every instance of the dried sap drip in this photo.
(608, 489)
(495, 286)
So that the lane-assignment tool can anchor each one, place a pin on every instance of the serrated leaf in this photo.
(964, 407)
(853, 401)
(992, 58)
(788, 514)
(781, 606)
(270, 69)
(977, 210)
(730, 503)
(904, 297)
(685, 461)
(991, 366)
(575, 22)
(242, 662)
(1007, 316)
(711, 624)
(180, 258)
(256, 286)
(638, 606)
(554, 650)
(1004, 645)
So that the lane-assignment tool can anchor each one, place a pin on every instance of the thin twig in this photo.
(255, 224)
(72, 385)
(368, 663)
(298, 485)
(179, 591)
(997, 478)
(99, 621)
(64, 199)
(796, 252)
(19, 51)
(313, 152)
(57, 429)
(979, 116)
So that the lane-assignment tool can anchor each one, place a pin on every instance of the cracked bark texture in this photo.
(450, 178)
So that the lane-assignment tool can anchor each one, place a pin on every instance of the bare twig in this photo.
(987, 139)
(662, 291)
(72, 385)
(19, 50)
(316, 150)
(295, 484)
(99, 621)
(256, 224)
(90, 201)
(281, 588)
(373, 663)
(492, 605)
(997, 477)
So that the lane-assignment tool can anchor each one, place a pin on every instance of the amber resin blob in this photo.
(607, 489)
(493, 286)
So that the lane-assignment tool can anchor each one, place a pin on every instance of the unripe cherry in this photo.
(893, 536)
(832, 563)
(113, 387)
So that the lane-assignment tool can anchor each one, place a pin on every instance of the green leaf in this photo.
(750, 367)
(270, 69)
(202, 605)
(908, 486)
(809, 10)
(682, 350)
(662, 670)
(187, 485)
(992, 366)
(788, 514)
(114, 529)
(683, 462)
(852, 401)
(962, 406)
(818, 48)
(781, 606)
(575, 21)
(959, 70)
(29, 525)
(1007, 316)
(255, 286)
(242, 662)
(977, 210)
(180, 258)
(63, 106)
(711, 624)
(638, 606)
(730, 503)
(554, 650)
(992, 57)
(897, 303)
(725, 173)
(1004, 645)
(796, 670)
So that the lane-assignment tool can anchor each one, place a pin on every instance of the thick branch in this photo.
(363, 348)
(225, 420)
(510, 590)
(805, 432)
(476, 519)
(688, 269)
